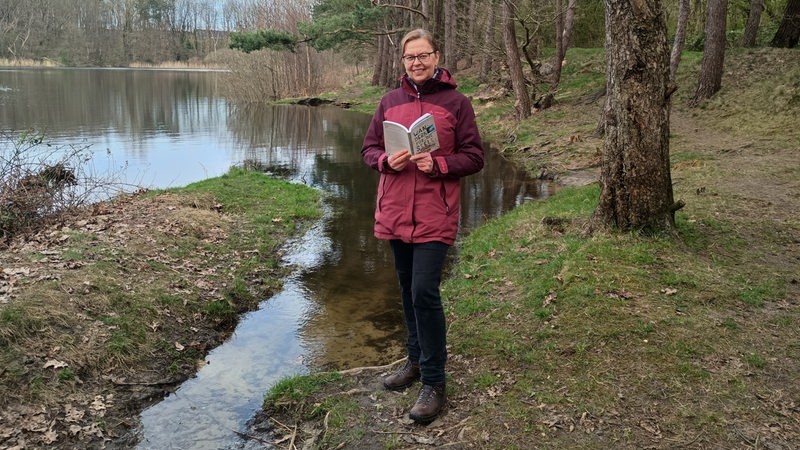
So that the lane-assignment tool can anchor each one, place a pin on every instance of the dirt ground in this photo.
(756, 176)
(97, 402)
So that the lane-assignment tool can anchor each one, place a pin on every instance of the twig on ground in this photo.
(397, 432)
(357, 370)
(453, 427)
(279, 423)
(294, 436)
(325, 425)
(685, 444)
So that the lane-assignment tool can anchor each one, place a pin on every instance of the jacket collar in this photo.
(442, 80)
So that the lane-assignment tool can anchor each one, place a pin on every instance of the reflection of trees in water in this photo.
(131, 102)
(295, 135)
(498, 188)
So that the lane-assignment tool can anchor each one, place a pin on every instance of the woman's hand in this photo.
(398, 161)
(424, 162)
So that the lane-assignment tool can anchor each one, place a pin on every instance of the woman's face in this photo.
(421, 68)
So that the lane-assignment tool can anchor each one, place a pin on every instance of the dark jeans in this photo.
(419, 270)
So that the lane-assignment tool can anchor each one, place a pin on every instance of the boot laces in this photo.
(426, 394)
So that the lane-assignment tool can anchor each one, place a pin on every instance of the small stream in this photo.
(265, 347)
(339, 309)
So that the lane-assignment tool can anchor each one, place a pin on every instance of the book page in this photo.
(395, 137)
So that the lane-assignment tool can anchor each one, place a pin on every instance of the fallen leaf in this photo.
(49, 437)
(179, 347)
(72, 414)
(551, 297)
(55, 364)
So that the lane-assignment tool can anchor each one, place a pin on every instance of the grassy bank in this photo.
(113, 308)
(616, 340)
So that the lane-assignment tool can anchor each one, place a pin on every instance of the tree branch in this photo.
(407, 8)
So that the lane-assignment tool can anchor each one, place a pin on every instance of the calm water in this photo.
(340, 306)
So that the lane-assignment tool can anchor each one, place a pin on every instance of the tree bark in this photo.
(753, 21)
(523, 106)
(711, 68)
(450, 55)
(470, 40)
(376, 69)
(488, 50)
(636, 186)
(564, 24)
(680, 39)
(789, 30)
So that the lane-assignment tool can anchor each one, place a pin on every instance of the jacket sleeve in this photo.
(468, 157)
(372, 151)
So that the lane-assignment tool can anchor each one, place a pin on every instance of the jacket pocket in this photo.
(443, 195)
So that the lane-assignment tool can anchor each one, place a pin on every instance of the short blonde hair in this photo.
(419, 33)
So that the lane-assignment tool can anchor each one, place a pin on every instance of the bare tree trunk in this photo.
(564, 23)
(438, 20)
(636, 186)
(753, 21)
(426, 11)
(469, 40)
(789, 30)
(523, 105)
(680, 39)
(711, 68)
(377, 76)
(450, 55)
(697, 18)
(488, 43)
(310, 85)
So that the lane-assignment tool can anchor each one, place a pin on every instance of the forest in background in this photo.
(300, 43)
(278, 49)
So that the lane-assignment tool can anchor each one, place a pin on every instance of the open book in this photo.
(419, 137)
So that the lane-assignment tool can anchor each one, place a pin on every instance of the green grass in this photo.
(297, 388)
(110, 309)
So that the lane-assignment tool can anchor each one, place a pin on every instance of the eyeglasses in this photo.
(422, 57)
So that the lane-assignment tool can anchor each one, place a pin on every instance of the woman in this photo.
(417, 208)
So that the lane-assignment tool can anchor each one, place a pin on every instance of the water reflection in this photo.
(356, 319)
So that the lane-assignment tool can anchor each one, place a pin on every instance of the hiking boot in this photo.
(429, 404)
(403, 378)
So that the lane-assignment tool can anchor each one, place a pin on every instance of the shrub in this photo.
(40, 181)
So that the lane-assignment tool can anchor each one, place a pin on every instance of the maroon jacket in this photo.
(414, 206)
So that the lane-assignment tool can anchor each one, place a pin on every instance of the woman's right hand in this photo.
(397, 161)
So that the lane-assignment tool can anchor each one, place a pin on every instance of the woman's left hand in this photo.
(424, 162)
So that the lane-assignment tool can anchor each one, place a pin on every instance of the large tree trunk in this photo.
(523, 105)
(680, 39)
(711, 68)
(753, 21)
(636, 187)
(789, 30)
